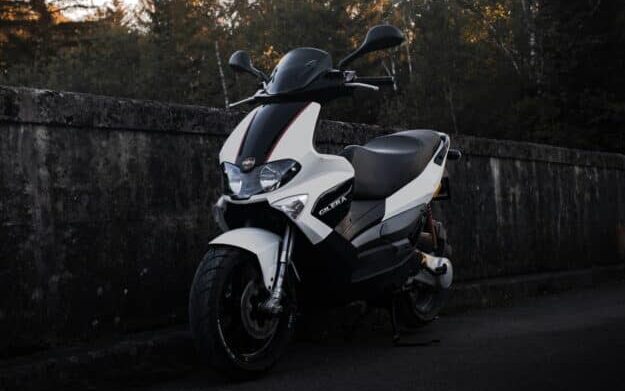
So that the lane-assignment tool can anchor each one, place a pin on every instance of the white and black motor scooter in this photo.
(303, 229)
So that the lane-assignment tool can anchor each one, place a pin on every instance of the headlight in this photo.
(261, 179)
(234, 178)
(277, 173)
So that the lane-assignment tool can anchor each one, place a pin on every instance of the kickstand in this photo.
(397, 333)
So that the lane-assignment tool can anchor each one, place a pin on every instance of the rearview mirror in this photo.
(378, 37)
(240, 61)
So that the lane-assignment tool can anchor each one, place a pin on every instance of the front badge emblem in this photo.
(248, 163)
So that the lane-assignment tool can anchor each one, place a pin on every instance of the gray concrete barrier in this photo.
(105, 211)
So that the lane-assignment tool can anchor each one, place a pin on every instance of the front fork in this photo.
(273, 304)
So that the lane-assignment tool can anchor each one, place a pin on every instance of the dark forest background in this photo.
(549, 71)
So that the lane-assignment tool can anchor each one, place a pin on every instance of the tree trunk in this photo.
(221, 75)
(449, 95)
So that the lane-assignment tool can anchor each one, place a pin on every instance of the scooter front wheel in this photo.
(230, 329)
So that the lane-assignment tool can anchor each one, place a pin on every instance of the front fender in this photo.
(263, 244)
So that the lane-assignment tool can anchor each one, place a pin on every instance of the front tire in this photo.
(230, 331)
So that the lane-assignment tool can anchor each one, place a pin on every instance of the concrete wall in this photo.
(105, 210)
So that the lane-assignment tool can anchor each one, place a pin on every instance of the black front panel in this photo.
(334, 205)
(326, 268)
(256, 214)
(266, 128)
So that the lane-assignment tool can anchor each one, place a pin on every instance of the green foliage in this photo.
(536, 70)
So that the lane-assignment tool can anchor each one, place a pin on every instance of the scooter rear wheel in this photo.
(230, 330)
(423, 304)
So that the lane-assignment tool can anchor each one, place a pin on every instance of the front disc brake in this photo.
(257, 323)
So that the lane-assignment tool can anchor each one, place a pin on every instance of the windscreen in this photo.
(297, 69)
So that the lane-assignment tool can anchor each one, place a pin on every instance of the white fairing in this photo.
(319, 172)
(264, 244)
(419, 191)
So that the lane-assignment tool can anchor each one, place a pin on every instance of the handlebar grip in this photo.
(376, 80)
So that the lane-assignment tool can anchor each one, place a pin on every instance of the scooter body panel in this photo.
(326, 181)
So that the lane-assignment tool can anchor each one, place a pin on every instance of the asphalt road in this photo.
(572, 341)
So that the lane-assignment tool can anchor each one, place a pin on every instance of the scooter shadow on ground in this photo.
(331, 339)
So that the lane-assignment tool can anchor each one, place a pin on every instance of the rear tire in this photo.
(230, 331)
(421, 307)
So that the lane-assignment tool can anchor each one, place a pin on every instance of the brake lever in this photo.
(243, 101)
(362, 85)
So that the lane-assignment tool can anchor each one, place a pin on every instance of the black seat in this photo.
(385, 164)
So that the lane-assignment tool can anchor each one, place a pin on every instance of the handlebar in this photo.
(242, 101)
(341, 78)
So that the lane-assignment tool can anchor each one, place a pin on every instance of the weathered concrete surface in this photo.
(153, 354)
(105, 203)
(532, 208)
